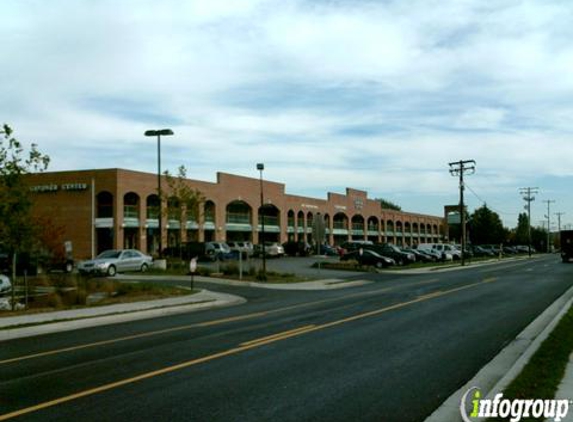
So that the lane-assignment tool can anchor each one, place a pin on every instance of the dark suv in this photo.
(394, 252)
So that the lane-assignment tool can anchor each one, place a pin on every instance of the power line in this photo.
(559, 214)
(529, 198)
(485, 202)
(548, 216)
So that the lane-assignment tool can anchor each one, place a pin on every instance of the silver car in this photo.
(114, 261)
(5, 285)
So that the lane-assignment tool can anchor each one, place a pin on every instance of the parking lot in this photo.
(300, 266)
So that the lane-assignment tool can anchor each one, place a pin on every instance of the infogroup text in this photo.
(513, 410)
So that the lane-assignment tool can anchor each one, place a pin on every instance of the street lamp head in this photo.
(162, 132)
(260, 166)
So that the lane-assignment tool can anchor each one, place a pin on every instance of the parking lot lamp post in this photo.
(159, 133)
(260, 168)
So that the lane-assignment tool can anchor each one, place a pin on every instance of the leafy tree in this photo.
(184, 202)
(16, 227)
(522, 231)
(18, 233)
(486, 227)
(539, 238)
(385, 204)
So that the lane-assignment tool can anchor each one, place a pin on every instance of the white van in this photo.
(446, 251)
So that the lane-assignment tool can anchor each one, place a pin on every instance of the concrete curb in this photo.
(458, 267)
(508, 364)
(325, 284)
(52, 322)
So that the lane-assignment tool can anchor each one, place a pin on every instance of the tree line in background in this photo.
(486, 228)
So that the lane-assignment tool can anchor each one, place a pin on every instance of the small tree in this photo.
(185, 201)
(17, 230)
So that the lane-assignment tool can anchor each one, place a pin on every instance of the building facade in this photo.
(117, 208)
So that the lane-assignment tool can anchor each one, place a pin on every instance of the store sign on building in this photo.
(54, 188)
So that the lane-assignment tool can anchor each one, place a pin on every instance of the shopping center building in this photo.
(118, 208)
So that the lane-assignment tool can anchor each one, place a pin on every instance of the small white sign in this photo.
(193, 265)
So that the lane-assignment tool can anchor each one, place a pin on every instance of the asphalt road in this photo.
(388, 351)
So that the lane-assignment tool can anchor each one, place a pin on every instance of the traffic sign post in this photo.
(318, 231)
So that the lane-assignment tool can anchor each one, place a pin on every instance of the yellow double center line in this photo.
(241, 348)
(185, 327)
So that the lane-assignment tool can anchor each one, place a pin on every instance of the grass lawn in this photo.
(542, 375)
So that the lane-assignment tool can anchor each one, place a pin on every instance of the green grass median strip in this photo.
(541, 377)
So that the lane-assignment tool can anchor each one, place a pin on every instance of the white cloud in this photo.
(372, 95)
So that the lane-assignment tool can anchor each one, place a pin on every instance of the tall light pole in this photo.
(159, 133)
(260, 168)
(458, 168)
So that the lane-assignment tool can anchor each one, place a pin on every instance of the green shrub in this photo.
(54, 301)
(261, 276)
(230, 269)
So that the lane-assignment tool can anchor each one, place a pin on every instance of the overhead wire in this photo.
(484, 202)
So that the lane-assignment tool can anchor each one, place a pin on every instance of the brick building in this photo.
(115, 208)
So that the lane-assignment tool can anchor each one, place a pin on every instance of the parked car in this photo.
(394, 252)
(524, 249)
(5, 284)
(510, 250)
(292, 248)
(353, 245)
(368, 257)
(219, 251)
(455, 251)
(438, 249)
(112, 261)
(420, 255)
(328, 250)
(495, 249)
(42, 260)
(249, 247)
(243, 248)
(482, 252)
(272, 249)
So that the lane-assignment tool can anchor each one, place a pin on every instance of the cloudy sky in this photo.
(375, 95)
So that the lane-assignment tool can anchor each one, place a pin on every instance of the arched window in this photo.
(152, 207)
(104, 205)
(238, 212)
(131, 205)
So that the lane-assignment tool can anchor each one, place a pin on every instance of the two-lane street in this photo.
(392, 350)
